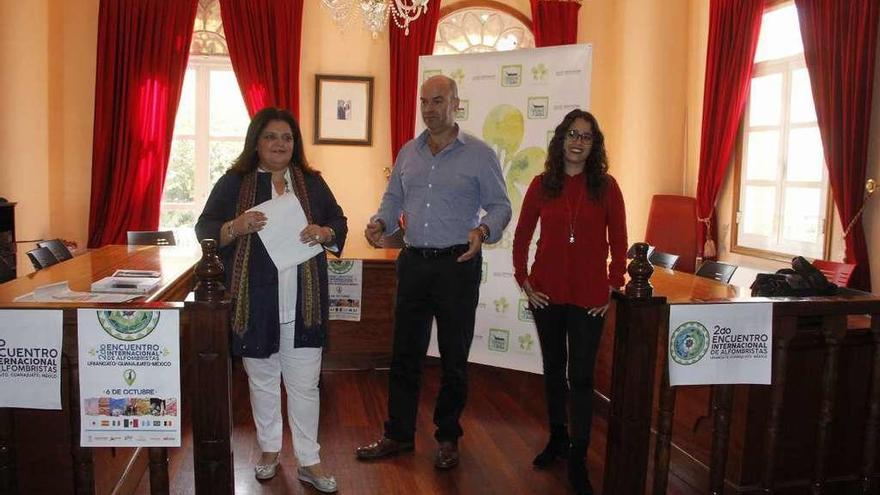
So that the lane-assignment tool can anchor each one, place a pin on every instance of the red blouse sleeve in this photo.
(525, 229)
(615, 212)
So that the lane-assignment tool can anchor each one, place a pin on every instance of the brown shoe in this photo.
(385, 447)
(447, 455)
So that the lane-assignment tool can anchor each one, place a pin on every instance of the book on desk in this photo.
(126, 284)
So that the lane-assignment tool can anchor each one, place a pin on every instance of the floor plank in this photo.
(504, 425)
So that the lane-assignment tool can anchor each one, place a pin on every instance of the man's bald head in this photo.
(438, 100)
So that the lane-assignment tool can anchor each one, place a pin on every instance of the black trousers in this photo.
(558, 323)
(428, 288)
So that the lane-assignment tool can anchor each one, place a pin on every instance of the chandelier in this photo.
(375, 13)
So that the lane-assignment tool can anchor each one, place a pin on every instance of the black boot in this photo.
(557, 447)
(578, 477)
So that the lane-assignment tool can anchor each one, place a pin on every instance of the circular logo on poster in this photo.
(340, 266)
(689, 343)
(127, 324)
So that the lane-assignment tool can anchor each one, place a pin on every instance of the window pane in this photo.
(765, 100)
(762, 155)
(171, 219)
(185, 121)
(759, 200)
(179, 181)
(801, 214)
(228, 114)
(802, 107)
(780, 35)
(222, 155)
(805, 156)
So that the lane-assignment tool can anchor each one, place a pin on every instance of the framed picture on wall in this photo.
(343, 110)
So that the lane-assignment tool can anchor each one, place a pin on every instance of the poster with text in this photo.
(720, 343)
(30, 358)
(129, 377)
(512, 101)
(346, 287)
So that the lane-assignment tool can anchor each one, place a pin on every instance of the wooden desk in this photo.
(175, 264)
(366, 344)
(43, 437)
(807, 423)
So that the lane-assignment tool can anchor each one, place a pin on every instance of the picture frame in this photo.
(343, 110)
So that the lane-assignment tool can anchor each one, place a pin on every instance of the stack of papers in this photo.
(126, 284)
(60, 292)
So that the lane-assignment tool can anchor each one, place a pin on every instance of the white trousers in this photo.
(301, 369)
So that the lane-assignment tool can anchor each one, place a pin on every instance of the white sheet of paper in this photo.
(285, 219)
(60, 292)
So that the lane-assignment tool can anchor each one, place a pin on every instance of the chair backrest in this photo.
(41, 257)
(672, 228)
(151, 238)
(666, 260)
(58, 249)
(835, 272)
(721, 272)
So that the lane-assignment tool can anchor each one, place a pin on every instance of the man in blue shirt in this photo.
(441, 181)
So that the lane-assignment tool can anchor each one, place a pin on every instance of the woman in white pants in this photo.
(279, 317)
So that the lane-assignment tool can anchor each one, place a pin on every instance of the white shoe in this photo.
(267, 471)
(324, 484)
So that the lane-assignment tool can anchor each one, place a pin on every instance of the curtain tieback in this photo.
(709, 250)
(870, 187)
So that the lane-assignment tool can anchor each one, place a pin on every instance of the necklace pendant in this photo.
(571, 239)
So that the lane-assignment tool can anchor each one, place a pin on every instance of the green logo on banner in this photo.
(539, 72)
(526, 341)
(484, 272)
(129, 376)
(523, 313)
(461, 113)
(340, 266)
(128, 325)
(499, 339)
(458, 76)
(539, 107)
(430, 73)
(511, 76)
(501, 305)
(688, 343)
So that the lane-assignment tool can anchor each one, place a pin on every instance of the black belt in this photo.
(431, 253)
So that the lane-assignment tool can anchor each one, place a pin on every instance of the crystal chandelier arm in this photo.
(407, 11)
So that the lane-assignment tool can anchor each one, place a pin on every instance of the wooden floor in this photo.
(504, 425)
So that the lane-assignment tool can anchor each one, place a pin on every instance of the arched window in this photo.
(483, 26)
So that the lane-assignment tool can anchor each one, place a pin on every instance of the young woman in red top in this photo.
(582, 215)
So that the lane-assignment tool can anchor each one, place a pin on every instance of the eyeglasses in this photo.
(272, 137)
(574, 135)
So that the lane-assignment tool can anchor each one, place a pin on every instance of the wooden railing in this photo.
(205, 374)
(816, 429)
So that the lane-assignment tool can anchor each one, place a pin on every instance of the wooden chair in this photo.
(58, 249)
(672, 227)
(835, 272)
(6, 273)
(666, 260)
(41, 257)
(721, 272)
(151, 238)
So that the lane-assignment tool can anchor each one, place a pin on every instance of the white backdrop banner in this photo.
(513, 101)
(30, 358)
(129, 378)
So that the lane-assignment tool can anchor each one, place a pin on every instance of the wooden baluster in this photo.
(208, 344)
(722, 403)
(83, 463)
(833, 329)
(159, 484)
(664, 423)
(8, 476)
(637, 320)
(872, 428)
(784, 329)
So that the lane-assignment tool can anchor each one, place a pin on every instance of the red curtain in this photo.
(264, 39)
(733, 36)
(143, 47)
(405, 52)
(840, 41)
(555, 22)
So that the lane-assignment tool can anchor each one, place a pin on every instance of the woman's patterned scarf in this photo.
(310, 283)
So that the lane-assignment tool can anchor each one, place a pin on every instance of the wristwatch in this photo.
(484, 232)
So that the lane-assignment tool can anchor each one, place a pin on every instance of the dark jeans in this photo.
(557, 323)
(431, 288)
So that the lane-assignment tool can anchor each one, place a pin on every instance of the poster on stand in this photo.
(129, 377)
(30, 358)
(346, 288)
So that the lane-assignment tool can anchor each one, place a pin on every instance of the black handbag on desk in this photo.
(801, 280)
